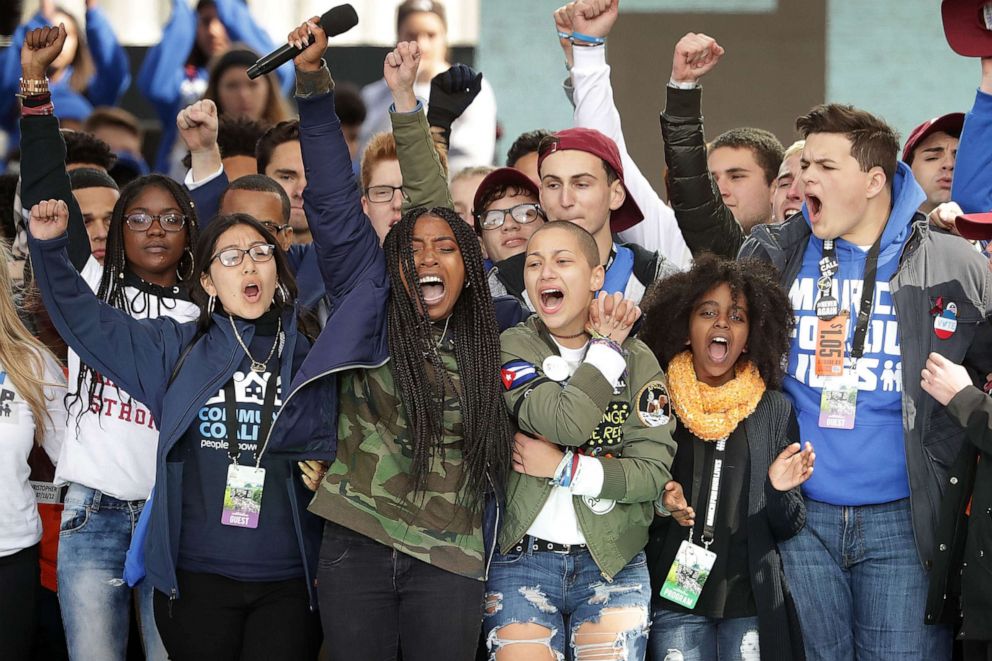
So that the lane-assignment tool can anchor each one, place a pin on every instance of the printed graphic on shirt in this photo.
(880, 368)
(653, 406)
(249, 394)
(607, 438)
(516, 373)
(111, 402)
(9, 413)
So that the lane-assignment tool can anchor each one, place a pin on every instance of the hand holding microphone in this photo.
(337, 21)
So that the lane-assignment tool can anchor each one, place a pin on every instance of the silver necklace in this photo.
(256, 366)
(444, 332)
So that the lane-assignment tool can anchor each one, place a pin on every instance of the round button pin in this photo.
(555, 368)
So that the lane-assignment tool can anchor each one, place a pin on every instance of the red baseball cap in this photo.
(593, 142)
(951, 123)
(975, 226)
(503, 177)
(968, 26)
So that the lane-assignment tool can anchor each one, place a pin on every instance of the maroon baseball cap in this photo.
(951, 123)
(501, 178)
(968, 26)
(975, 226)
(597, 144)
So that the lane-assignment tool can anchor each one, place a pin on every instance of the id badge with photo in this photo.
(243, 496)
(688, 573)
(839, 401)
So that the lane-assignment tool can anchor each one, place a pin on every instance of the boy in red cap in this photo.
(930, 151)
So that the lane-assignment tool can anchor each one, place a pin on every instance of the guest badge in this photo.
(243, 496)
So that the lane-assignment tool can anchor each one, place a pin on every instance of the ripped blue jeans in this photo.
(564, 602)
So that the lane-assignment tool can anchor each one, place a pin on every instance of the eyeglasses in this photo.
(275, 229)
(522, 213)
(260, 252)
(383, 194)
(142, 222)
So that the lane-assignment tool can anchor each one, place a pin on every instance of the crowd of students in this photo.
(334, 386)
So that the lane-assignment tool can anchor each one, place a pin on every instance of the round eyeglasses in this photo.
(522, 213)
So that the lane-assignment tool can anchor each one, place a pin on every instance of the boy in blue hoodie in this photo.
(874, 291)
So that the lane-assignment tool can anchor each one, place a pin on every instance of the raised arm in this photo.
(10, 71)
(113, 69)
(595, 108)
(164, 67)
(347, 246)
(425, 176)
(705, 221)
(43, 173)
(206, 180)
(135, 354)
(972, 186)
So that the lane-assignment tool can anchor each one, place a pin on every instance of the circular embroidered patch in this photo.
(653, 406)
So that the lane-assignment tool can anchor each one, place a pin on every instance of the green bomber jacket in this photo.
(628, 429)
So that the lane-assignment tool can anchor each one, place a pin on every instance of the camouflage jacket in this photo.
(629, 429)
(369, 489)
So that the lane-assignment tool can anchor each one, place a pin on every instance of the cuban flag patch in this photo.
(516, 373)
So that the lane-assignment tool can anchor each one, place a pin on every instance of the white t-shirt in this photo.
(556, 522)
(113, 450)
(20, 526)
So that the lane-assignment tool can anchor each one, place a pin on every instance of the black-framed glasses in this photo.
(522, 213)
(142, 222)
(260, 252)
(383, 194)
(273, 228)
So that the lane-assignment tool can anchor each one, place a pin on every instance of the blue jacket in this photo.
(164, 73)
(109, 82)
(140, 355)
(972, 187)
(303, 260)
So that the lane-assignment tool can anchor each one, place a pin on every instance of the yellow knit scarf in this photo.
(713, 413)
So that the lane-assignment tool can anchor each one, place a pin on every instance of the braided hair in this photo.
(115, 263)
(420, 375)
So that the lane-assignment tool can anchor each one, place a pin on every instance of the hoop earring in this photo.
(210, 305)
(192, 266)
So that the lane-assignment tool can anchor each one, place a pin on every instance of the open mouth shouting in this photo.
(815, 207)
(433, 289)
(251, 291)
(551, 300)
(718, 349)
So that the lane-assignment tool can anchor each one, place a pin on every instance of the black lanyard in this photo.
(268, 404)
(826, 304)
(713, 498)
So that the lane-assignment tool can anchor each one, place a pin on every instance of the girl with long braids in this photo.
(719, 593)
(32, 387)
(422, 436)
(108, 458)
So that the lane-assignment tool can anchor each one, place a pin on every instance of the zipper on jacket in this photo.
(492, 550)
(172, 600)
(268, 436)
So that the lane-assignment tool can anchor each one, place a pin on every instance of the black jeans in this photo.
(223, 619)
(20, 578)
(375, 601)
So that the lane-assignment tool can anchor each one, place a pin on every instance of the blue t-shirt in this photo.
(270, 552)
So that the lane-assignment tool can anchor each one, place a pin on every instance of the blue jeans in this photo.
(96, 602)
(688, 637)
(859, 585)
(562, 592)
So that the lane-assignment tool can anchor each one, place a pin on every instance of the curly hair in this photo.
(420, 375)
(668, 307)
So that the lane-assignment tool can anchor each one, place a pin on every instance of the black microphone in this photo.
(337, 20)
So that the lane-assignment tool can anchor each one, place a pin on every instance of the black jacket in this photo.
(706, 223)
(961, 582)
(772, 516)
